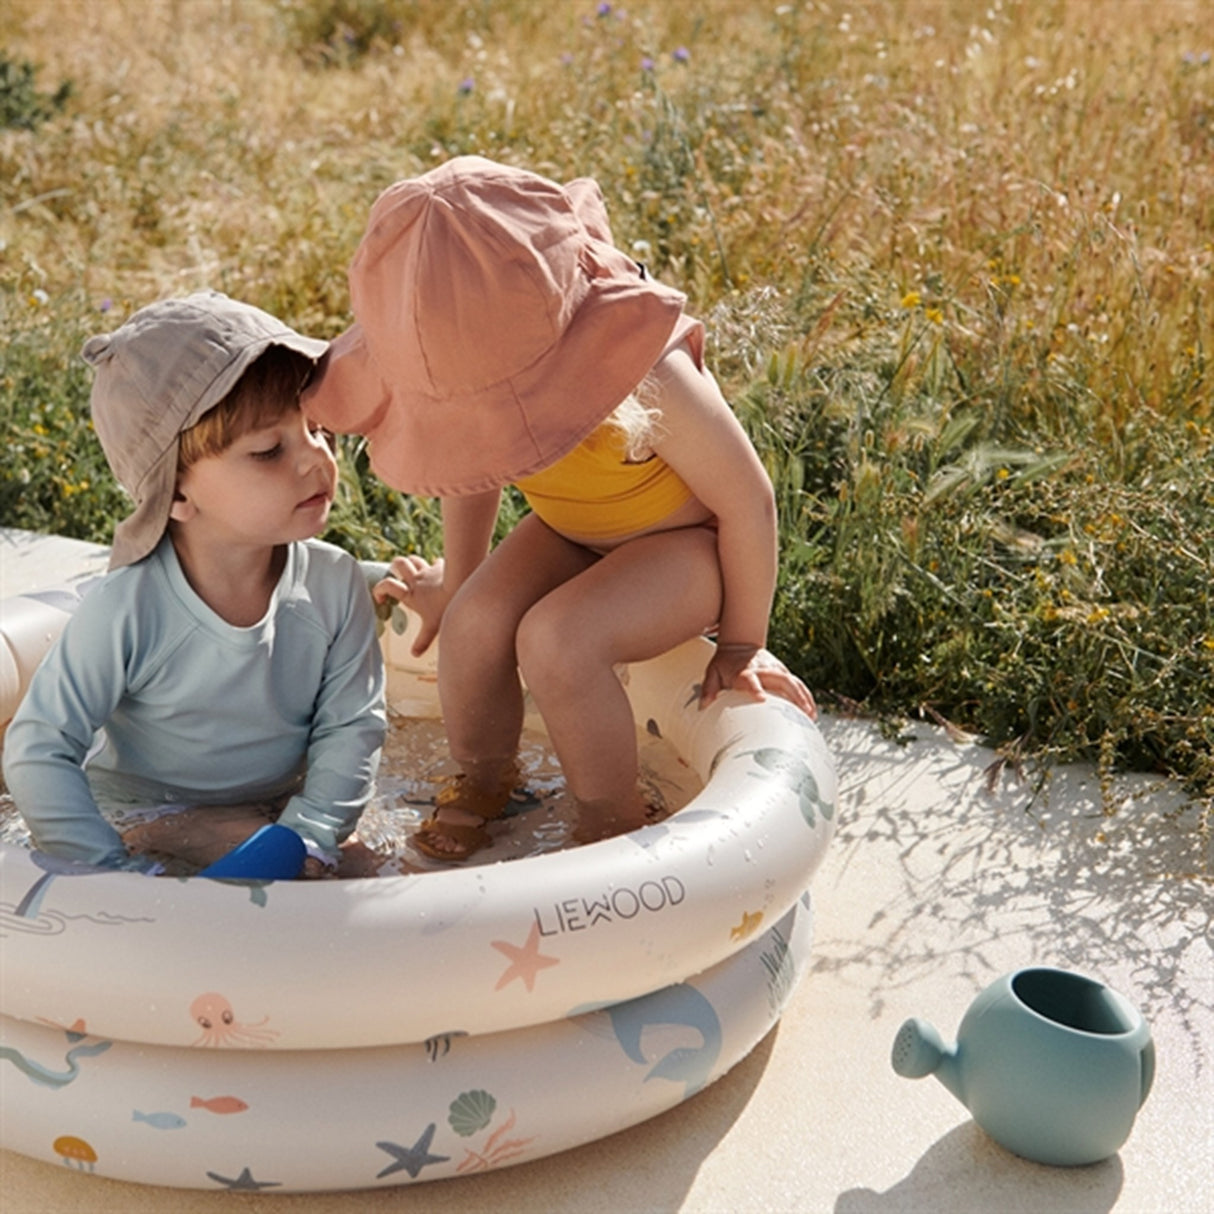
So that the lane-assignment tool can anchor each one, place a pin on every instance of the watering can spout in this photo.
(919, 1050)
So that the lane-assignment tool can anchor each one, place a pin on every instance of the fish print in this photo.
(160, 1121)
(219, 1104)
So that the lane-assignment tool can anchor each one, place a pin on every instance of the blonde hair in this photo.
(637, 419)
(268, 389)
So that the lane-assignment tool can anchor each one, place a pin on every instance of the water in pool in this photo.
(415, 763)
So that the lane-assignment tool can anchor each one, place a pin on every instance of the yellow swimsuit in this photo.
(596, 493)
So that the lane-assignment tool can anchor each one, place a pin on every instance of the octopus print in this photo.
(220, 1028)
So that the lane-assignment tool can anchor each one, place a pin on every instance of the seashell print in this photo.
(470, 1112)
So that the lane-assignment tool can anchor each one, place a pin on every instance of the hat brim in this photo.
(455, 446)
(137, 535)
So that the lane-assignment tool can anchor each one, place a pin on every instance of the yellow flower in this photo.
(911, 299)
(935, 315)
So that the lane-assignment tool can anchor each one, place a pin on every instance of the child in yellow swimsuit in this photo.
(497, 332)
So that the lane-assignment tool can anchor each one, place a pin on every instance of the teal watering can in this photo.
(1052, 1065)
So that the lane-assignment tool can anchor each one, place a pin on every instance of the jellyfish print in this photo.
(75, 1152)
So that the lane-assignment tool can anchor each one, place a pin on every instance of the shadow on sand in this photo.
(965, 1170)
(991, 864)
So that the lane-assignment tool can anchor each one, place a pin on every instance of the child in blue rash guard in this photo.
(227, 664)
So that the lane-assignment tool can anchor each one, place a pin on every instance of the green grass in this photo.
(956, 264)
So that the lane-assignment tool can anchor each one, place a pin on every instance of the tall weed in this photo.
(956, 262)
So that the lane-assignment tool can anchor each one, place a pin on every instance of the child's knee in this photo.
(548, 655)
(476, 621)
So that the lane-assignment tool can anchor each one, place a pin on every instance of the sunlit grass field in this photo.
(956, 260)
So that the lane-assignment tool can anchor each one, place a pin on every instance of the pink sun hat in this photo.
(496, 327)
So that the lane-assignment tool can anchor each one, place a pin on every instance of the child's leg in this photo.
(190, 839)
(636, 602)
(478, 679)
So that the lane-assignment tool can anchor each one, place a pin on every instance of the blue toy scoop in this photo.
(274, 853)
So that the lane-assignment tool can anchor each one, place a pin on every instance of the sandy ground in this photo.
(945, 874)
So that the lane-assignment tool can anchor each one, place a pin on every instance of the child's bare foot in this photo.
(603, 820)
(358, 860)
(598, 820)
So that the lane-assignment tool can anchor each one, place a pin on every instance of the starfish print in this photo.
(411, 1159)
(244, 1182)
(525, 962)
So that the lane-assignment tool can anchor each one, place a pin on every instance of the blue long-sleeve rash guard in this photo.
(190, 710)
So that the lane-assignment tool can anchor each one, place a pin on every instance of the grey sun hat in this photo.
(156, 376)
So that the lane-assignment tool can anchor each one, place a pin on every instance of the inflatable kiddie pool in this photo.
(358, 1033)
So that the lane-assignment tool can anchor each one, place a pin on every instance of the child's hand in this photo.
(755, 671)
(417, 584)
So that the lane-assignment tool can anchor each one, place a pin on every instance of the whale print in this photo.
(682, 1005)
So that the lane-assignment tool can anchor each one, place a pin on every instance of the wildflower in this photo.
(603, 10)
(1002, 474)
(911, 299)
(647, 63)
(935, 315)
(105, 305)
(680, 54)
(40, 297)
(466, 86)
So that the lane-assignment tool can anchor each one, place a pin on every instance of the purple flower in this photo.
(105, 305)
(647, 63)
(680, 54)
(466, 86)
(603, 10)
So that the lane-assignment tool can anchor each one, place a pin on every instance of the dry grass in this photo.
(957, 259)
